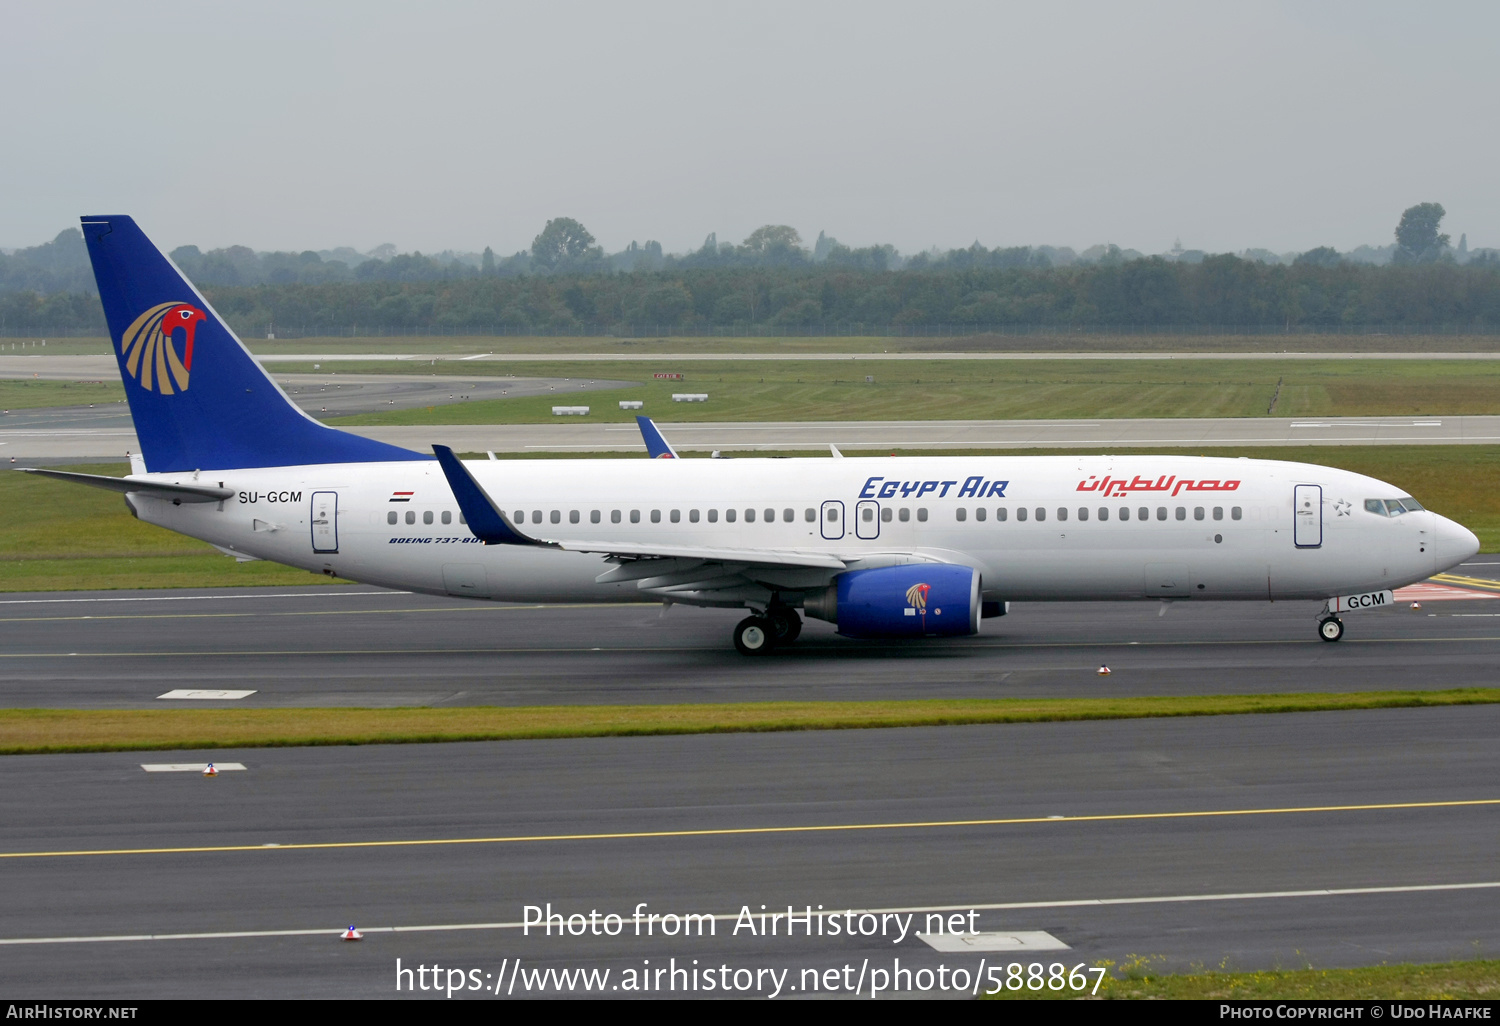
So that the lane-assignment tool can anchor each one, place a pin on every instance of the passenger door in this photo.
(1307, 516)
(867, 520)
(325, 522)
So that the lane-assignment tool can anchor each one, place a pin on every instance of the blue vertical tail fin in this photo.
(198, 398)
(657, 446)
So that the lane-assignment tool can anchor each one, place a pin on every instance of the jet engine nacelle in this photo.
(919, 600)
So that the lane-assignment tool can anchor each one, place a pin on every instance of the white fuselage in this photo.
(1195, 528)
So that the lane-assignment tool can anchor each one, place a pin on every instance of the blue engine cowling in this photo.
(919, 600)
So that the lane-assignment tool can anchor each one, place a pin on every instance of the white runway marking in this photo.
(202, 598)
(206, 693)
(731, 917)
(189, 767)
(1017, 940)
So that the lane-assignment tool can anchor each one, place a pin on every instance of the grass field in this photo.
(28, 394)
(62, 537)
(31, 731)
(1465, 980)
(975, 390)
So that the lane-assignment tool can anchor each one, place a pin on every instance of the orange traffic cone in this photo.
(351, 934)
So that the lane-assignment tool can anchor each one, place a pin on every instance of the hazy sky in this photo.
(465, 124)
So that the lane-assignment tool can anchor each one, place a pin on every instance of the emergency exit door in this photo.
(325, 521)
(1307, 516)
(831, 516)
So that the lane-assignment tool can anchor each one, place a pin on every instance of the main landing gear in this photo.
(759, 634)
(1330, 628)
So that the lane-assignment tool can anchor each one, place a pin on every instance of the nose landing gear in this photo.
(1330, 628)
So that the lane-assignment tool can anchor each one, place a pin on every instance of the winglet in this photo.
(656, 445)
(485, 519)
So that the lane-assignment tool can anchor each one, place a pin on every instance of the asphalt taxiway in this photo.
(1249, 842)
(362, 646)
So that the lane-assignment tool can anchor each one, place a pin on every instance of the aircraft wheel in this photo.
(1330, 628)
(755, 635)
(787, 623)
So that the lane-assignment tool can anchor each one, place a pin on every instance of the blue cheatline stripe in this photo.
(485, 520)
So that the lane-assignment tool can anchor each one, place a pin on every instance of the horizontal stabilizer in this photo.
(485, 519)
(160, 489)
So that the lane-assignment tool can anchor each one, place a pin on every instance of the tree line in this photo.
(1221, 290)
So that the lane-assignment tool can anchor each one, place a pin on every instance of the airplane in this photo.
(881, 547)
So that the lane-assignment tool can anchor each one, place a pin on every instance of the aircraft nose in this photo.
(1454, 542)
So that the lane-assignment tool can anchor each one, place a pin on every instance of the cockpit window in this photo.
(1412, 505)
(1376, 506)
(1393, 508)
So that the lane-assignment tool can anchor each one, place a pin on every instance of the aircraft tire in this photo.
(1330, 628)
(787, 623)
(755, 635)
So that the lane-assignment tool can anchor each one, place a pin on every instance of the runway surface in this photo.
(361, 646)
(1250, 842)
(74, 434)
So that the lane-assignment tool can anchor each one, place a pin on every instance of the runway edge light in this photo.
(351, 934)
(1104, 671)
(210, 770)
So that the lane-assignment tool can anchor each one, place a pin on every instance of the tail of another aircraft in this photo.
(198, 398)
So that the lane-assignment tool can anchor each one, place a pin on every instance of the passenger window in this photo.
(833, 514)
(1181, 512)
(770, 516)
(1062, 512)
(887, 514)
(1001, 513)
(1235, 513)
(656, 516)
(868, 515)
(1161, 512)
(1021, 513)
(1103, 512)
(1197, 512)
(390, 517)
(789, 515)
(461, 519)
(614, 516)
(594, 516)
(411, 517)
(980, 514)
(905, 514)
(1142, 513)
(810, 515)
(427, 516)
(1083, 512)
(729, 516)
(1041, 514)
(1124, 512)
(635, 516)
(574, 516)
(713, 516)
(692, 516)
(750, 516)
(1218, 512)
(959, 514)
(536, 516)
(557, 516)
(922, 513)
(447, 516)
(675, 516)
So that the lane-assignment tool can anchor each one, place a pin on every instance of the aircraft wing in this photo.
(656, 443)
(172, 490)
